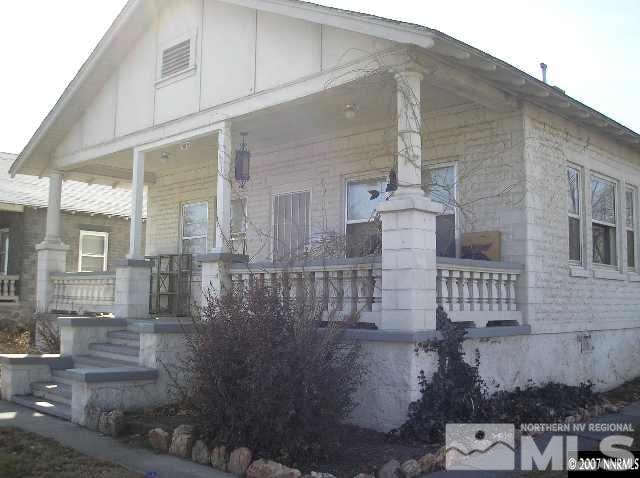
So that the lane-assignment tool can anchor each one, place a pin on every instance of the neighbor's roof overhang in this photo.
(136, 15)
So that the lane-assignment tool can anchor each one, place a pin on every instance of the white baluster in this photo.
(512, 291)
(446, 289)
(376, 289)
(349, 291)
(475, 291)
(455, 290)
(464, 290)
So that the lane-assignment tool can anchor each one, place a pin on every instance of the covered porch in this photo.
(335, 203)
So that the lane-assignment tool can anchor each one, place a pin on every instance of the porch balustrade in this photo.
(83, 292)
(478, 291)
(342, 289)
(9, 288)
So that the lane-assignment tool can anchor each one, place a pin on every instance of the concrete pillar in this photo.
(223, 190)
(133, 286)
(409, 226)
(216, 277)
(137, 192)
(52, 253)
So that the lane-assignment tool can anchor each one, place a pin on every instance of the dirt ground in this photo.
(26, 455)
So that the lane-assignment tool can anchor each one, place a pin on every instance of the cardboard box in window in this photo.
(484, 246)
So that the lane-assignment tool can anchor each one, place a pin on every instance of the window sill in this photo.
(578, 271)
(608, 274)
(176, 77)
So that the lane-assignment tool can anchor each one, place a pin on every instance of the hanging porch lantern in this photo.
(392, 185)
(243, 158)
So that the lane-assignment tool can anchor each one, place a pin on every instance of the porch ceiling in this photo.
(314, 116)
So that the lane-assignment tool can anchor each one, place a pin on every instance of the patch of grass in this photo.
(26, 455)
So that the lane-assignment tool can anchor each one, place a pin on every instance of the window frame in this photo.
(580, 216)
(105, 251)
(4, 268)
(183, 237)
(615, 263)
(634, 226)
(178, 75)
(373, 177)
(456, 216)
(274, 194)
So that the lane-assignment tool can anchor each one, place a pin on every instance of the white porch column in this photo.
(223, 190)
(137, 193)
(52, 253)
(409, 226)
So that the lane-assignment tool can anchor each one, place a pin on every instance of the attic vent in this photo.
(176, 58)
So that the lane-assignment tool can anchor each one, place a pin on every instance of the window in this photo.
(176, 57)
(603, 221)
(362, 236)
(575, 229)
(4, 251)
(290, 224)
(239, 225)
(441, 186)
(195, 223)
(93, 251)
(630, 222)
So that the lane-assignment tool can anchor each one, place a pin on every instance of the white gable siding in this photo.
(135, 92)
(287, 49)
(239, 52)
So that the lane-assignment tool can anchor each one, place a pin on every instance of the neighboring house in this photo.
(94, 224)
(349, 115)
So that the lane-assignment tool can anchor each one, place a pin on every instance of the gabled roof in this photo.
(136, 15)
(32, 191)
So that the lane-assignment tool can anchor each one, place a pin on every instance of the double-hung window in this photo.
(195, 224)
(94, 247)
(4, 251)
(630, 223)
(603, 221)
(363, 238)
(290, 224)
(574, 205)
(441, 186)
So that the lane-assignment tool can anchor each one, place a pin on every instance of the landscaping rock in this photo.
(390, 469)
(219, 458)
(271, 469)
(182, 441)
(200, 453)
(239, 461)
(410, 469)
(160, 440)
(111, 423)
(427, 463)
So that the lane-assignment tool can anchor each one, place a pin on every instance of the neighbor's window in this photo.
(94, 247)
(630, 196)
(239, 225)
(603, 220)
(195, 224)
(575, 229)
(363, 237)
(290, 224)
(4, 251)
(441, 186)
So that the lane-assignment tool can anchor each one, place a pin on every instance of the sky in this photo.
(592, 47)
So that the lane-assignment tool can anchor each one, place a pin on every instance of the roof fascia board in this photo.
(366, 25)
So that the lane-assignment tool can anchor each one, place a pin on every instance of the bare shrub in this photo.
(48, 337)
(267, 374)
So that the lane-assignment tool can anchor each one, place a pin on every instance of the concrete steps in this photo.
(90, 361)
(47, 407)
(115, 352)
(52, 390)
(124, 337)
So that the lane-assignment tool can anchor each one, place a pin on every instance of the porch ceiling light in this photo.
(243, 158)
(350, 111)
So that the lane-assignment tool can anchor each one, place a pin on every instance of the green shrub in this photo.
(267, 373)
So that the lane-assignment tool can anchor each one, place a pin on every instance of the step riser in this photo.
(97, 362)
(126, 342)
(59, 376)
(113, 356)
(59, 410)
(52, 397)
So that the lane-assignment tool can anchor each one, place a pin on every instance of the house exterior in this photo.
(392, 167)
(94, 226)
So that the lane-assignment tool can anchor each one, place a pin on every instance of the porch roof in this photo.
(136, 15)
(32, 191)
